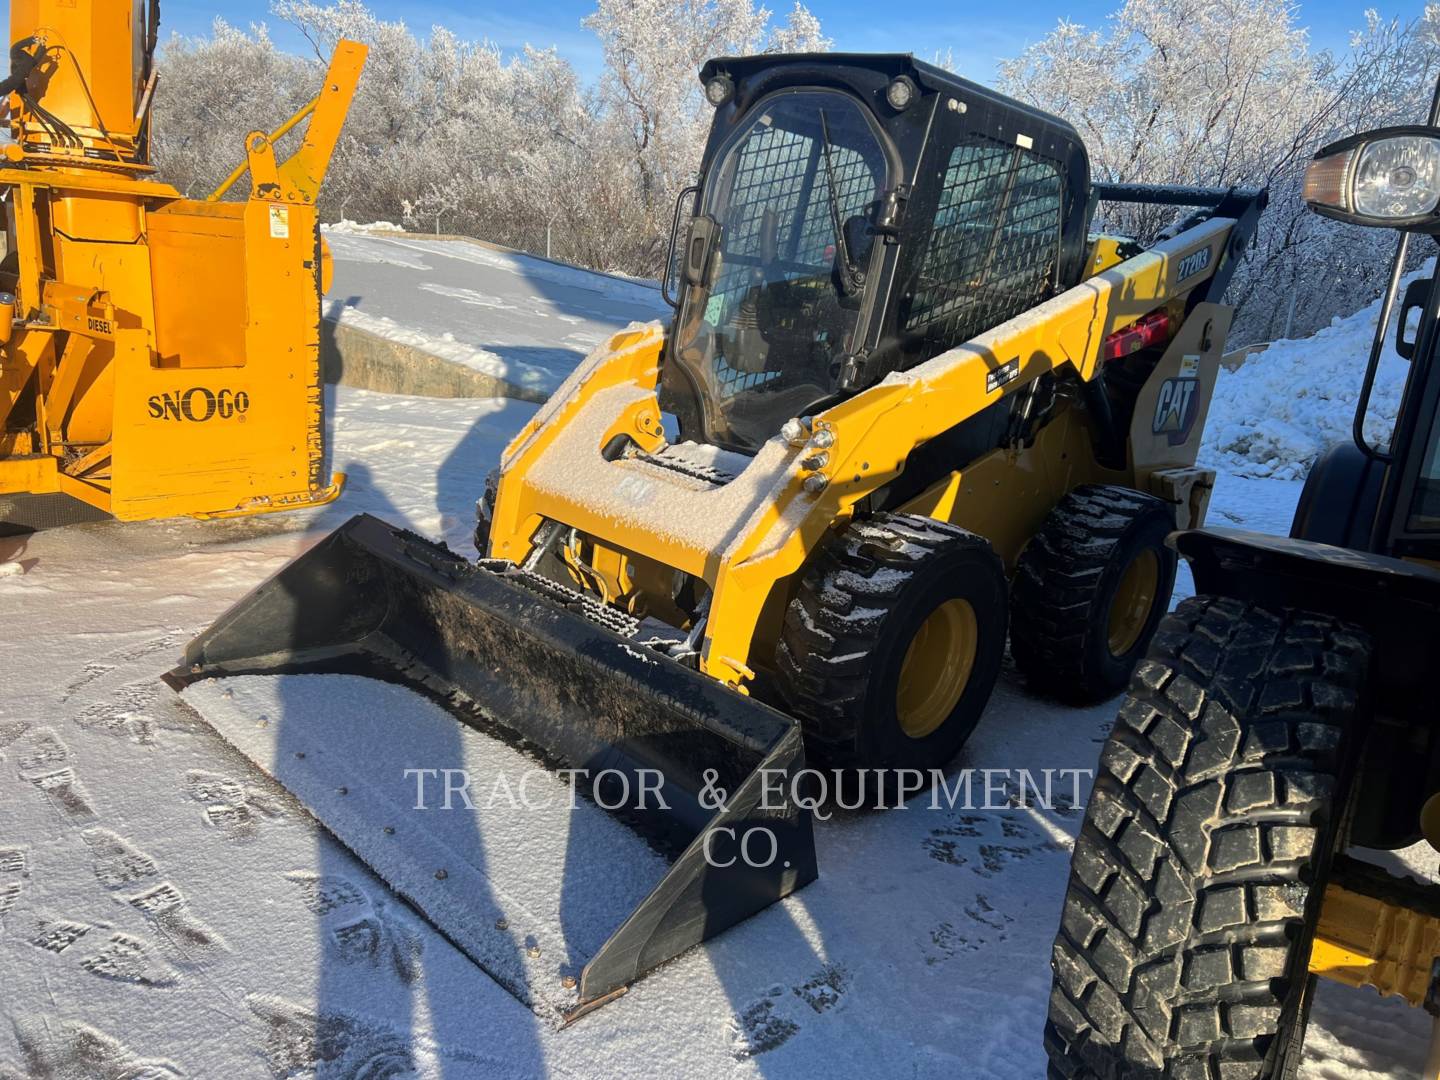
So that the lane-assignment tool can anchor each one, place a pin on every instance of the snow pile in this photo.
(360, 247)
(543, 274)
(353, 228)
(1281, 408)
(519, 319)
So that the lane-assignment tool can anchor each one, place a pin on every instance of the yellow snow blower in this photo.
(908, 406)
(159, 356)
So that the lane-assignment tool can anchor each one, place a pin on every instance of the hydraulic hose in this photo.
(22, 63)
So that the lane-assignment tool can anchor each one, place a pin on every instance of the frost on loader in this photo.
(920, 409)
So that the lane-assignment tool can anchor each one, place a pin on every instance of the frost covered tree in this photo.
(1220, 92)
(457, 135)
(800, 33)
(435, 203)
(217, 90)
(651, 107)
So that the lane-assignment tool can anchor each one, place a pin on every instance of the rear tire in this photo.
(893, 642)
(1197, 877)
(1089, 591)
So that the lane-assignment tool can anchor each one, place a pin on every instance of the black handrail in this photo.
(674, 301)
(1382, 325)
(1171, 194)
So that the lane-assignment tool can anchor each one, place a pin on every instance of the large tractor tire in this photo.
(893, 642)
(1197, 877)
(1090, 589)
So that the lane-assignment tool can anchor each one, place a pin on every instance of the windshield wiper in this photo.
(851, 279)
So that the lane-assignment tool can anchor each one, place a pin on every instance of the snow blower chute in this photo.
(558, 678)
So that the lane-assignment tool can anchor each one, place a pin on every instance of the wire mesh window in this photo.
(992, 250)
(778, 225)
(781, 172)
(772, 172)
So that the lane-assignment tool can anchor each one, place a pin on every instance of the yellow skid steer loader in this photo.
(907, 407)
(159, 356)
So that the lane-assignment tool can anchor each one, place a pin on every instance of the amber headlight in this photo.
(1386, 177)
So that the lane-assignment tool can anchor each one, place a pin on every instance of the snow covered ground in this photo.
(167, 910)
(512, 316)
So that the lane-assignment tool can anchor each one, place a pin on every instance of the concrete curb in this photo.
(354, 357)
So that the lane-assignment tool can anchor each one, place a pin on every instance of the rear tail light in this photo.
(1154, 329)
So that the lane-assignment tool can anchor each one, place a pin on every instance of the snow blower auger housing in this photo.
(159, 356)
(904, 376)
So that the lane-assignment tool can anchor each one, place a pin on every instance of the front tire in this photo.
(893, 642)
(1197, 877)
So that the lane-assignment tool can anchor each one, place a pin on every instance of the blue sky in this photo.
(979, 34)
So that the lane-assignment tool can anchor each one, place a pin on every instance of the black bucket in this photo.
(534, 666)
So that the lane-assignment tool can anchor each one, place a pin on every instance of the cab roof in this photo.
(754, 75)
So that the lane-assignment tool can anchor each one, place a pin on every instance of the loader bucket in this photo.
(538, 679)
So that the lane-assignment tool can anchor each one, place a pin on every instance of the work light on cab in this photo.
(900, 93)
(719, 89)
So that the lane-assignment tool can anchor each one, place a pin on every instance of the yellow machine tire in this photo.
(1196, 880)
(1089, 590)
(899, 623)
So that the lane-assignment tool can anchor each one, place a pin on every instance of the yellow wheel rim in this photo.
(936, 668)
(1133, 602)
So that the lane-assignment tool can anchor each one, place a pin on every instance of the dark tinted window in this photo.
(1425, 510)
